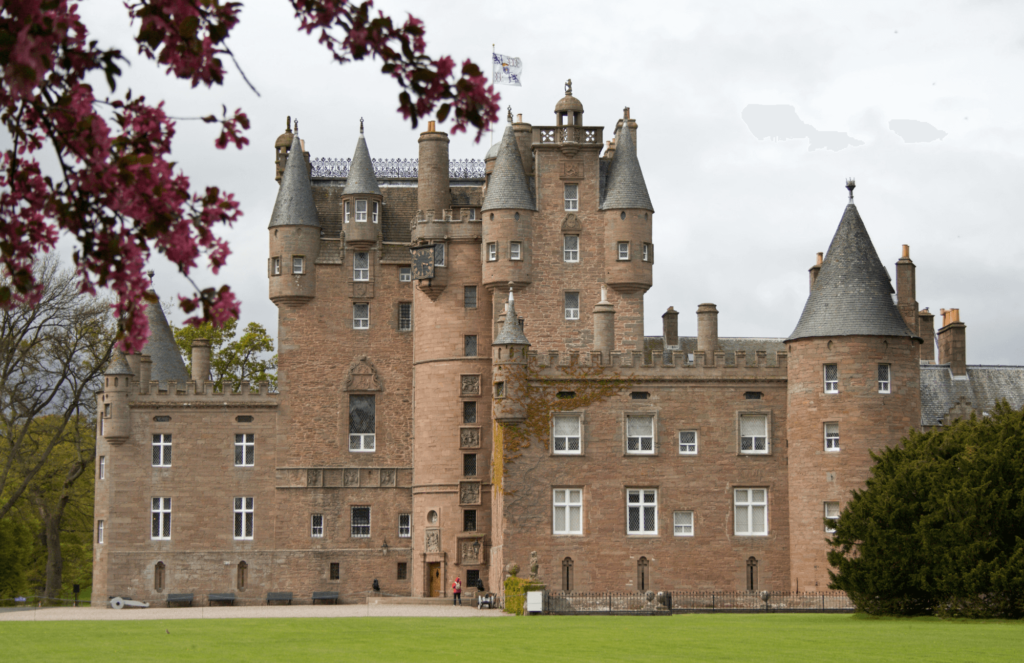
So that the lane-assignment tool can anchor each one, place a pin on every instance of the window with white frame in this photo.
(275, 266)
(831, 378)
(571, 248)
(161, 450)
(647, 252)
(439, 255)
(161, 516)
(102, 466)
(832, 437)
(245, 449)
(642, 511)
(753, 433)
(688, 442)
(244, 513)
(831, 516)
(623, 250)
(360, 522)
(568, 516)
(316, 526)
(492, 251)
(360, 211)
(99, 531)
(405, 316)
(362, 422)
(376, 211)
(572, 197)
(566, 428)
(572, 306)
(360, 316)
(404, 525)
(883, 378)
(515, 251)
(361, 266)
(640, 433)
(682, 523)
(751, 509)
(298, 265)
(405, 274)
(347, 211)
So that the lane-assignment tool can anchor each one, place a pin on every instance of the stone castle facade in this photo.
(465, 383)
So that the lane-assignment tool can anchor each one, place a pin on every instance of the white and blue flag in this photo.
(507, 70)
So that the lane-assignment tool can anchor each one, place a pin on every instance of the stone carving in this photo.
(469, 492)
(512, 569)
(388, 478)
(471, 552)
(362, 290)
(572, 168)
(351, 477)
(363, 376)
(314, 478)
(469, 438)
(571, 223)
(470, 385)
(433, 541)
(534, 565)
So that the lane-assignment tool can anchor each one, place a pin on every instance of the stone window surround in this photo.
(492, 251)
(768, 433)
(583, 421)
(513, 255)
(643, 413)
(300, 262)
(274, 266)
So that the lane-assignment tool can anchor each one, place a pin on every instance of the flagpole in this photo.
(492, 83)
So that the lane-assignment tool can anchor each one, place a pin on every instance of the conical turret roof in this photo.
(360, 174)
(118, 365)
(507, 188)
(294, 205)
(852, 295)
(511, 332)
(162, 350)
(626, 188)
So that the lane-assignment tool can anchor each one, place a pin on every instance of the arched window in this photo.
(158, 576)
(751, 574)
(567, 574)
(243, 575)
(643, 578)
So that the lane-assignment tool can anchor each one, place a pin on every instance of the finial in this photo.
(296, 125)
(288, 125)
(568, 88)
(360, 125)
(151, 274)
(850, 186)
(604, 294)
(511, 297)
(510, 114)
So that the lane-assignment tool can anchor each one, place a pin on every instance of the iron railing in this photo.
(385, 169)
(657, 603)
(609, 603)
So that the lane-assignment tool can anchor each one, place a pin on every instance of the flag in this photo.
(507, 70)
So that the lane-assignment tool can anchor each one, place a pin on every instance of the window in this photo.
(640, 433)
(335, 571)
(360, 316)
(361, 211)
(469, 296)
(316, 527)
(362, 424)
(752, 395)
(499, 390)
(161, 451)
(640, 395)
(472, 577)
(643, 574)
(469, 465)
(243, 576)
(831, 516)
(439, 255)
(469, 412)
(106, 409)
(243, 517)
(99, 531)
(492, 251)
(751, 506)
(688, 442)
(472, 214)
(275, 266)
(404, 525)
(571, 248)
(568, 504)
(642, 511)
(623, 250)
(298, 265)
(361, 266)
(469, 520)
(572, 197)
(752, 574)
(647, 252)
(360, 522)
(572, 306)
(567, 574)
(470, 346)
(161, 513)
(567, 434)
(245, 449)
(753, 434)
(102, 468)
(682, 523)
(376, 211)
(883, 378)
(159, 573)
(515, 251)
(405, 316)
(405, 274)
(831, 378)
(831, 437)
(403, 572)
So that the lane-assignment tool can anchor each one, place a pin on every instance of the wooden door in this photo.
(434, 573)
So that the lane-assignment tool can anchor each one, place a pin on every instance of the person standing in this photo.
(457, 591)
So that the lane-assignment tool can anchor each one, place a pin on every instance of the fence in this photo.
(34, 602)
(666, 603)
(609, 603)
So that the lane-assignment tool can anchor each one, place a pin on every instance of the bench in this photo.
(325, 596)
(279, 596)
(179, 598)
(222, 598)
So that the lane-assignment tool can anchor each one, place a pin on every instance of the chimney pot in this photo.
(906, 250)
(431, 126)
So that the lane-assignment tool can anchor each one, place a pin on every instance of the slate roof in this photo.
(511, 331)
(118, 365)
(360, 174)
(400, 206)
(983, 387)
(161, 348)
(852, 295)
(508, 188)
(294, 205)
(625, 188)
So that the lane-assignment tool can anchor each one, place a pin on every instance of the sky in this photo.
(751, 116)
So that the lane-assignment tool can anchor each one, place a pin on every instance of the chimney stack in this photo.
(200, 361)
(953, 342)
(814, 270)
(145, 373)
(604, 327)
(906, 291)
(707, 332)
(926, 323)
(670, 327)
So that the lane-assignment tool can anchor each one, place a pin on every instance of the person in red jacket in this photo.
(457, 591)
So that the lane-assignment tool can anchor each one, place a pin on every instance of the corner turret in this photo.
(114, 413)
(294, 234)
(362, 200)
(509, 360)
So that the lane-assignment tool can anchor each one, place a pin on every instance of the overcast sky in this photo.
(751, 115)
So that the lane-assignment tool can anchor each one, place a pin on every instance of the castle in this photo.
(465, 384)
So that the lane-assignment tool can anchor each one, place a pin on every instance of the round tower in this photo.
(114, 412)
(509, 361)
(361, 200)
(853, 388)
(294, 234)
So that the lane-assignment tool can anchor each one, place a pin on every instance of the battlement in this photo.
(202, 393)
(657, 365)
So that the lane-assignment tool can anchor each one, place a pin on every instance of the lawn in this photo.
(745, 638)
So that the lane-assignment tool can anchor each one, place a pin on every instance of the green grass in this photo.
(745, 638)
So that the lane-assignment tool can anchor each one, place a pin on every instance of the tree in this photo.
(118, 192)
(231, 360)
(940, 526)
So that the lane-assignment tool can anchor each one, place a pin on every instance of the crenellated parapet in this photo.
(761, 365)
(200, 394)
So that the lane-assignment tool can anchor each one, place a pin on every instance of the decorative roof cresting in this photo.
(294, 205)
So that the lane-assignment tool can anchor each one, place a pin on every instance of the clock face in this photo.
(423, 262)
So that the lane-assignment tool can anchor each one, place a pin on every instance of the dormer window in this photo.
(361, 211)
(376, 211)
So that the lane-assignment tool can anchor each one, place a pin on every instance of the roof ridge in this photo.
(507, 188)
(294, 205)
(626, 188)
